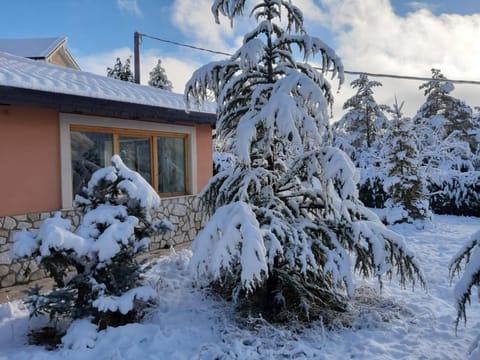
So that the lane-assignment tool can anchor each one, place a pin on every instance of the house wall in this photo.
(30, 186)
(29, 160)
(204, 155)
(30, 175)
(181, 211)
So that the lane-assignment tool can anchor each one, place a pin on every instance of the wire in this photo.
(350, 72)
(473, 82)
(186, 45)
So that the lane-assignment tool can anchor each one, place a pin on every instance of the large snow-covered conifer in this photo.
(286, 215)
(469, 258)
(158, 77)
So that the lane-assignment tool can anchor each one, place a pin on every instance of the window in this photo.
(161, 153)
(171, 164)
(92, 149)
(90, 152)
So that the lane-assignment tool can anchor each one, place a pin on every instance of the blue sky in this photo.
(385, 36)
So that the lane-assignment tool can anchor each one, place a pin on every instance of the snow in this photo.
(31, 48)
(81, 335)
(124, 303)
(232, 235)
(53, 234)
(24, 73)
(188, 323)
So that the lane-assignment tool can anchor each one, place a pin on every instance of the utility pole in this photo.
(136, 55)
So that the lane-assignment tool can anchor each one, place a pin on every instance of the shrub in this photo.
(94, 268)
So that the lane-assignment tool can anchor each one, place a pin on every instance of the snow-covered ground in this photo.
(188, 324)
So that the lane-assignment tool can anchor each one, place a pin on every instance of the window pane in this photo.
(90, 151)
(135, 153)
(171, 165)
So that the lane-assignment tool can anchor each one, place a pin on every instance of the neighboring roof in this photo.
(39, 48)
(52, 50)
(32, 83)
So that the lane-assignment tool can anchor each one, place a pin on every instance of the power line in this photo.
(406, 77)
(186, 45)
(350, 72)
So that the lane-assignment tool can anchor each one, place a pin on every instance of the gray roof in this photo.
(37, 48)
(29, 83)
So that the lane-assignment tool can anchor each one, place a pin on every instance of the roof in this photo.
(38, 48)
(32, 83)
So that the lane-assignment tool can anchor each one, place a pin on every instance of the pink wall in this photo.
(30, 179)
(204, 155)
(29, 160)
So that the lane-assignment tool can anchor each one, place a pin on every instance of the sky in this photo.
(380, 36)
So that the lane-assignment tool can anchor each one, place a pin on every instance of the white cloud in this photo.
(178, 71)
(130, 6)
(98, 63)
(195, 19)
(372, 38)
(369, 36)
(418, 5)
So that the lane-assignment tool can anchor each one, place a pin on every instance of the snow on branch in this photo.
(232, 244)
(470, 256)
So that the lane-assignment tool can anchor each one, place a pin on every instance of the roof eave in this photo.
(94, 106)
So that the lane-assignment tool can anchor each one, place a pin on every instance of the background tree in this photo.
(444, 125)
(357, 131)
(121, 71)
(404, 182)
(158, 78)
(105, 286)
(286, 214)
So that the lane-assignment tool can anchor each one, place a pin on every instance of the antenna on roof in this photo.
(136, 55)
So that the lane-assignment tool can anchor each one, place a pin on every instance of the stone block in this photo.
(33, 217)
(21, 217)
(9, 223)
(192, 234)
(24, 225)
(5, 258)
(16, 267)
(37, 224)
(44, 216)
(4, 270)
(8, 280)
(37, 275)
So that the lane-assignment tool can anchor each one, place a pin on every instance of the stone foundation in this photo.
(181, 211)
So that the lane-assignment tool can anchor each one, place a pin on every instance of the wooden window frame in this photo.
(132, 128)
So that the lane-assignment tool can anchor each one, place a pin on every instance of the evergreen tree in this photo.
(404, 182)
(357, 131)
(158, 78)
(94, 268)
(286, 214)
(469, 258)
(121, 71)
(444, 125)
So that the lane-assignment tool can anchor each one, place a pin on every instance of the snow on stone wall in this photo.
(181, 211)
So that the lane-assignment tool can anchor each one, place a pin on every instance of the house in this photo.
(51, 50)
(57, 125)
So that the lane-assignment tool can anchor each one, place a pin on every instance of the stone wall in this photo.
(182, 212)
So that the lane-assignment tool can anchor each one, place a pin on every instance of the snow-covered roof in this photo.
(37, 48)
(22, 73)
